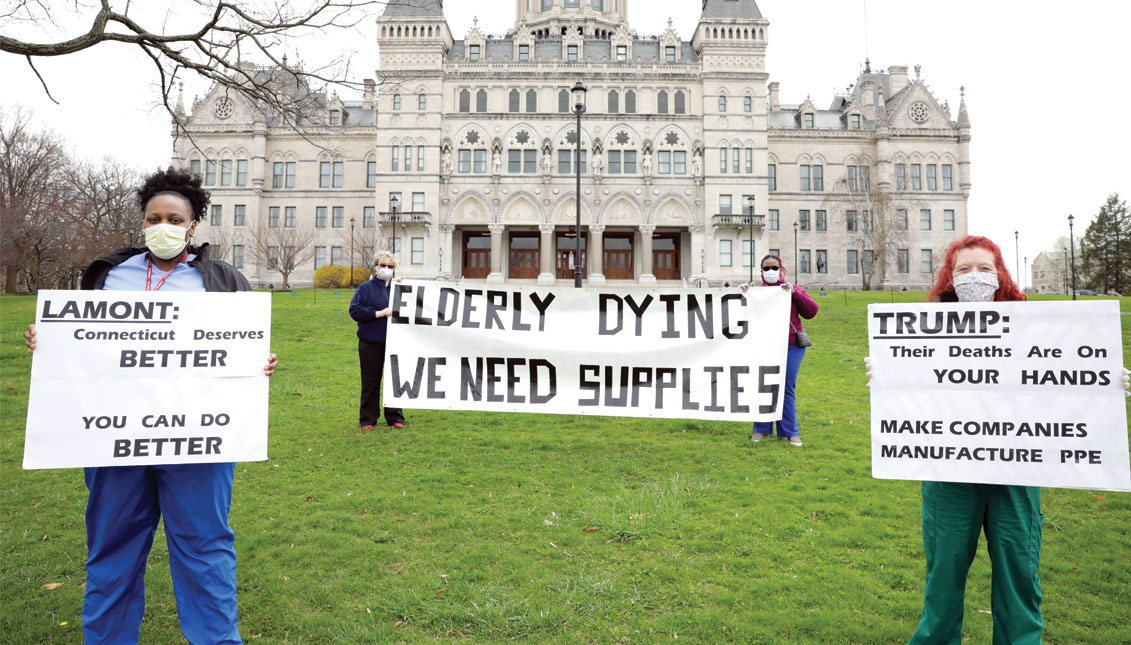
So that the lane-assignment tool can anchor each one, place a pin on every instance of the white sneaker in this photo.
(756, 437)
(795, 441)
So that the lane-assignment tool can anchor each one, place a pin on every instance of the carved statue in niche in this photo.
(598, 164)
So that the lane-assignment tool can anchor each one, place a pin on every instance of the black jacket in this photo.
(218, 275)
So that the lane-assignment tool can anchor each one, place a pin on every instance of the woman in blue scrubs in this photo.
(126, 502)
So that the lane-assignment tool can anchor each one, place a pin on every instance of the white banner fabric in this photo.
(1024, 393)
(707, 354)
(127, 378)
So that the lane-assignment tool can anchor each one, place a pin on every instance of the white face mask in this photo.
(771, 277)
(384, 274)
(166, 241)
(975, 287)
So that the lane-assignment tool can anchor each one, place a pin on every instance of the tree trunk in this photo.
(11, 281)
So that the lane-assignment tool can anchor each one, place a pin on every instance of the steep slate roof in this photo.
(413, 8)
(731, 9)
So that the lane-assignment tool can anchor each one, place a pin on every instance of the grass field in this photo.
(474, 527)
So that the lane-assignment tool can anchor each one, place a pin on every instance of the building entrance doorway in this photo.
(618, 256)
(476, 254)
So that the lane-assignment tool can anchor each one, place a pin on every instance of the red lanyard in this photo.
(149, 273)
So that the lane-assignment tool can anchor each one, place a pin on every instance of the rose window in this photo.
(224, 108)
(919, 112)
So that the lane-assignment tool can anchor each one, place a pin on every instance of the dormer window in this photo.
(622, 53)
(473, 52)
(807, 120)
(854, 121)
(524, 52)
(669, 53)
(571, 50)
(335, 117)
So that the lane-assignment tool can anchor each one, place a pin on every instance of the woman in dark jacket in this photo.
(801, 306)
(126, 502)
(370, 308)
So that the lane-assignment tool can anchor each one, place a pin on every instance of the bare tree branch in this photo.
(227, 36)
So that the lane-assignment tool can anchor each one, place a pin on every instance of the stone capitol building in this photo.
(463, 154)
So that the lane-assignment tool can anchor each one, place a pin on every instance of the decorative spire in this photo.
(963, 116)
(180, 110)
(867, 65)
(918, 68)
(881, 107)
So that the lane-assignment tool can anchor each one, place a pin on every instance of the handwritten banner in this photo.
(1026, 393)
(705, 354)
(125, 378)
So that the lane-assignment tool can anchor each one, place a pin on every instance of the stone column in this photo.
(547, 273)
(646, 275)
(697, 271)
(496, 274)
(445, 243)
(596, 254)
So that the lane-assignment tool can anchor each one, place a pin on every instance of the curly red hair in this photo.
(944, 287)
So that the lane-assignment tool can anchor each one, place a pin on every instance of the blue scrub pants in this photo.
(787, 427)
(122, 512)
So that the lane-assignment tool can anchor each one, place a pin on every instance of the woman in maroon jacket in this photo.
(803, 306)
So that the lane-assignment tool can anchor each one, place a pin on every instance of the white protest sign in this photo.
(126, 378)
(1025, 393)
(705, 354)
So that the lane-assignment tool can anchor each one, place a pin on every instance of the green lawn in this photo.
(480, 527)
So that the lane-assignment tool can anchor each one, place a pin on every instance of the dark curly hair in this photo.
(175, 181)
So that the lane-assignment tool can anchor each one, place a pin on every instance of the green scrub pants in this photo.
(953, 516)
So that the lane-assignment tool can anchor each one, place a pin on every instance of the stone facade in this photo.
(477, 139)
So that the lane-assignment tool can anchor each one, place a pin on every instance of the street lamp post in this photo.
(795, 265)
(578, 108)
(1072, 246)
(1025, 265)
(351, 253)
(394, 202)
(750, 214)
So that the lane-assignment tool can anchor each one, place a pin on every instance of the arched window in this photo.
(396, 102)
(464, 101)
(630, 102)
(680, 103)
(481, 101)
(513, 102)
(722, 104)
(563, 101)
(748, 104)
(421, 102)
(532, 100)
(614, 102)
(662, 102)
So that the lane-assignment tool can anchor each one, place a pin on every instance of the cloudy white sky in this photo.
(1045, 86)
